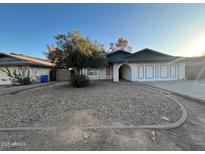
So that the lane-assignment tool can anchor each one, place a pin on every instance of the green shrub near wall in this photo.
(80, 81)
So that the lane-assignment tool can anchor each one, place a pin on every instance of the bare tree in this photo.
(121, 44)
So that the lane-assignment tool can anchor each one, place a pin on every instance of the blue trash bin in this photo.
(44, 78)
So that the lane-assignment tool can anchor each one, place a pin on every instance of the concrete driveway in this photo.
(193, 89)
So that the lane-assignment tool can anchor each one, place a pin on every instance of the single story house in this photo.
(36, 66)
(144, 65)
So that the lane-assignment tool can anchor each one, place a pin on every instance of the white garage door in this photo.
(173, 71)
(140, 72)
(149, 72)
(164, 71)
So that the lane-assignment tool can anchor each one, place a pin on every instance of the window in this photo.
(92, 72)
(173, 71)
(164, 73)
(140, 72)
(108, 71)
(149, 71)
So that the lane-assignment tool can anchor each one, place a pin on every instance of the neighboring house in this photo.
(144, 65)
(37, 67)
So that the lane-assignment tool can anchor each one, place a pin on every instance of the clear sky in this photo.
(176, 29)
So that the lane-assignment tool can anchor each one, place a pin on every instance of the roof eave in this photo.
(127, 61)
(24, 63)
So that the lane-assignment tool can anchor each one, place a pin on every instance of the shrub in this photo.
(25, 81)
(19, 76)
(80, 81)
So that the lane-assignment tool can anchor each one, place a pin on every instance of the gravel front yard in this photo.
(103, 103)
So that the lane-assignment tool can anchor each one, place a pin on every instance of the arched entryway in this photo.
(124, 72)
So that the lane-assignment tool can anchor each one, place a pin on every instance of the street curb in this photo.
(175, 124)
(166, 126)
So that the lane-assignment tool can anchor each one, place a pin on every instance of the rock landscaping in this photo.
(104, 103)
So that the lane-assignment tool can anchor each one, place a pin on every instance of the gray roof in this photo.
(117, 56)
(22, 60)
(145, 55)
